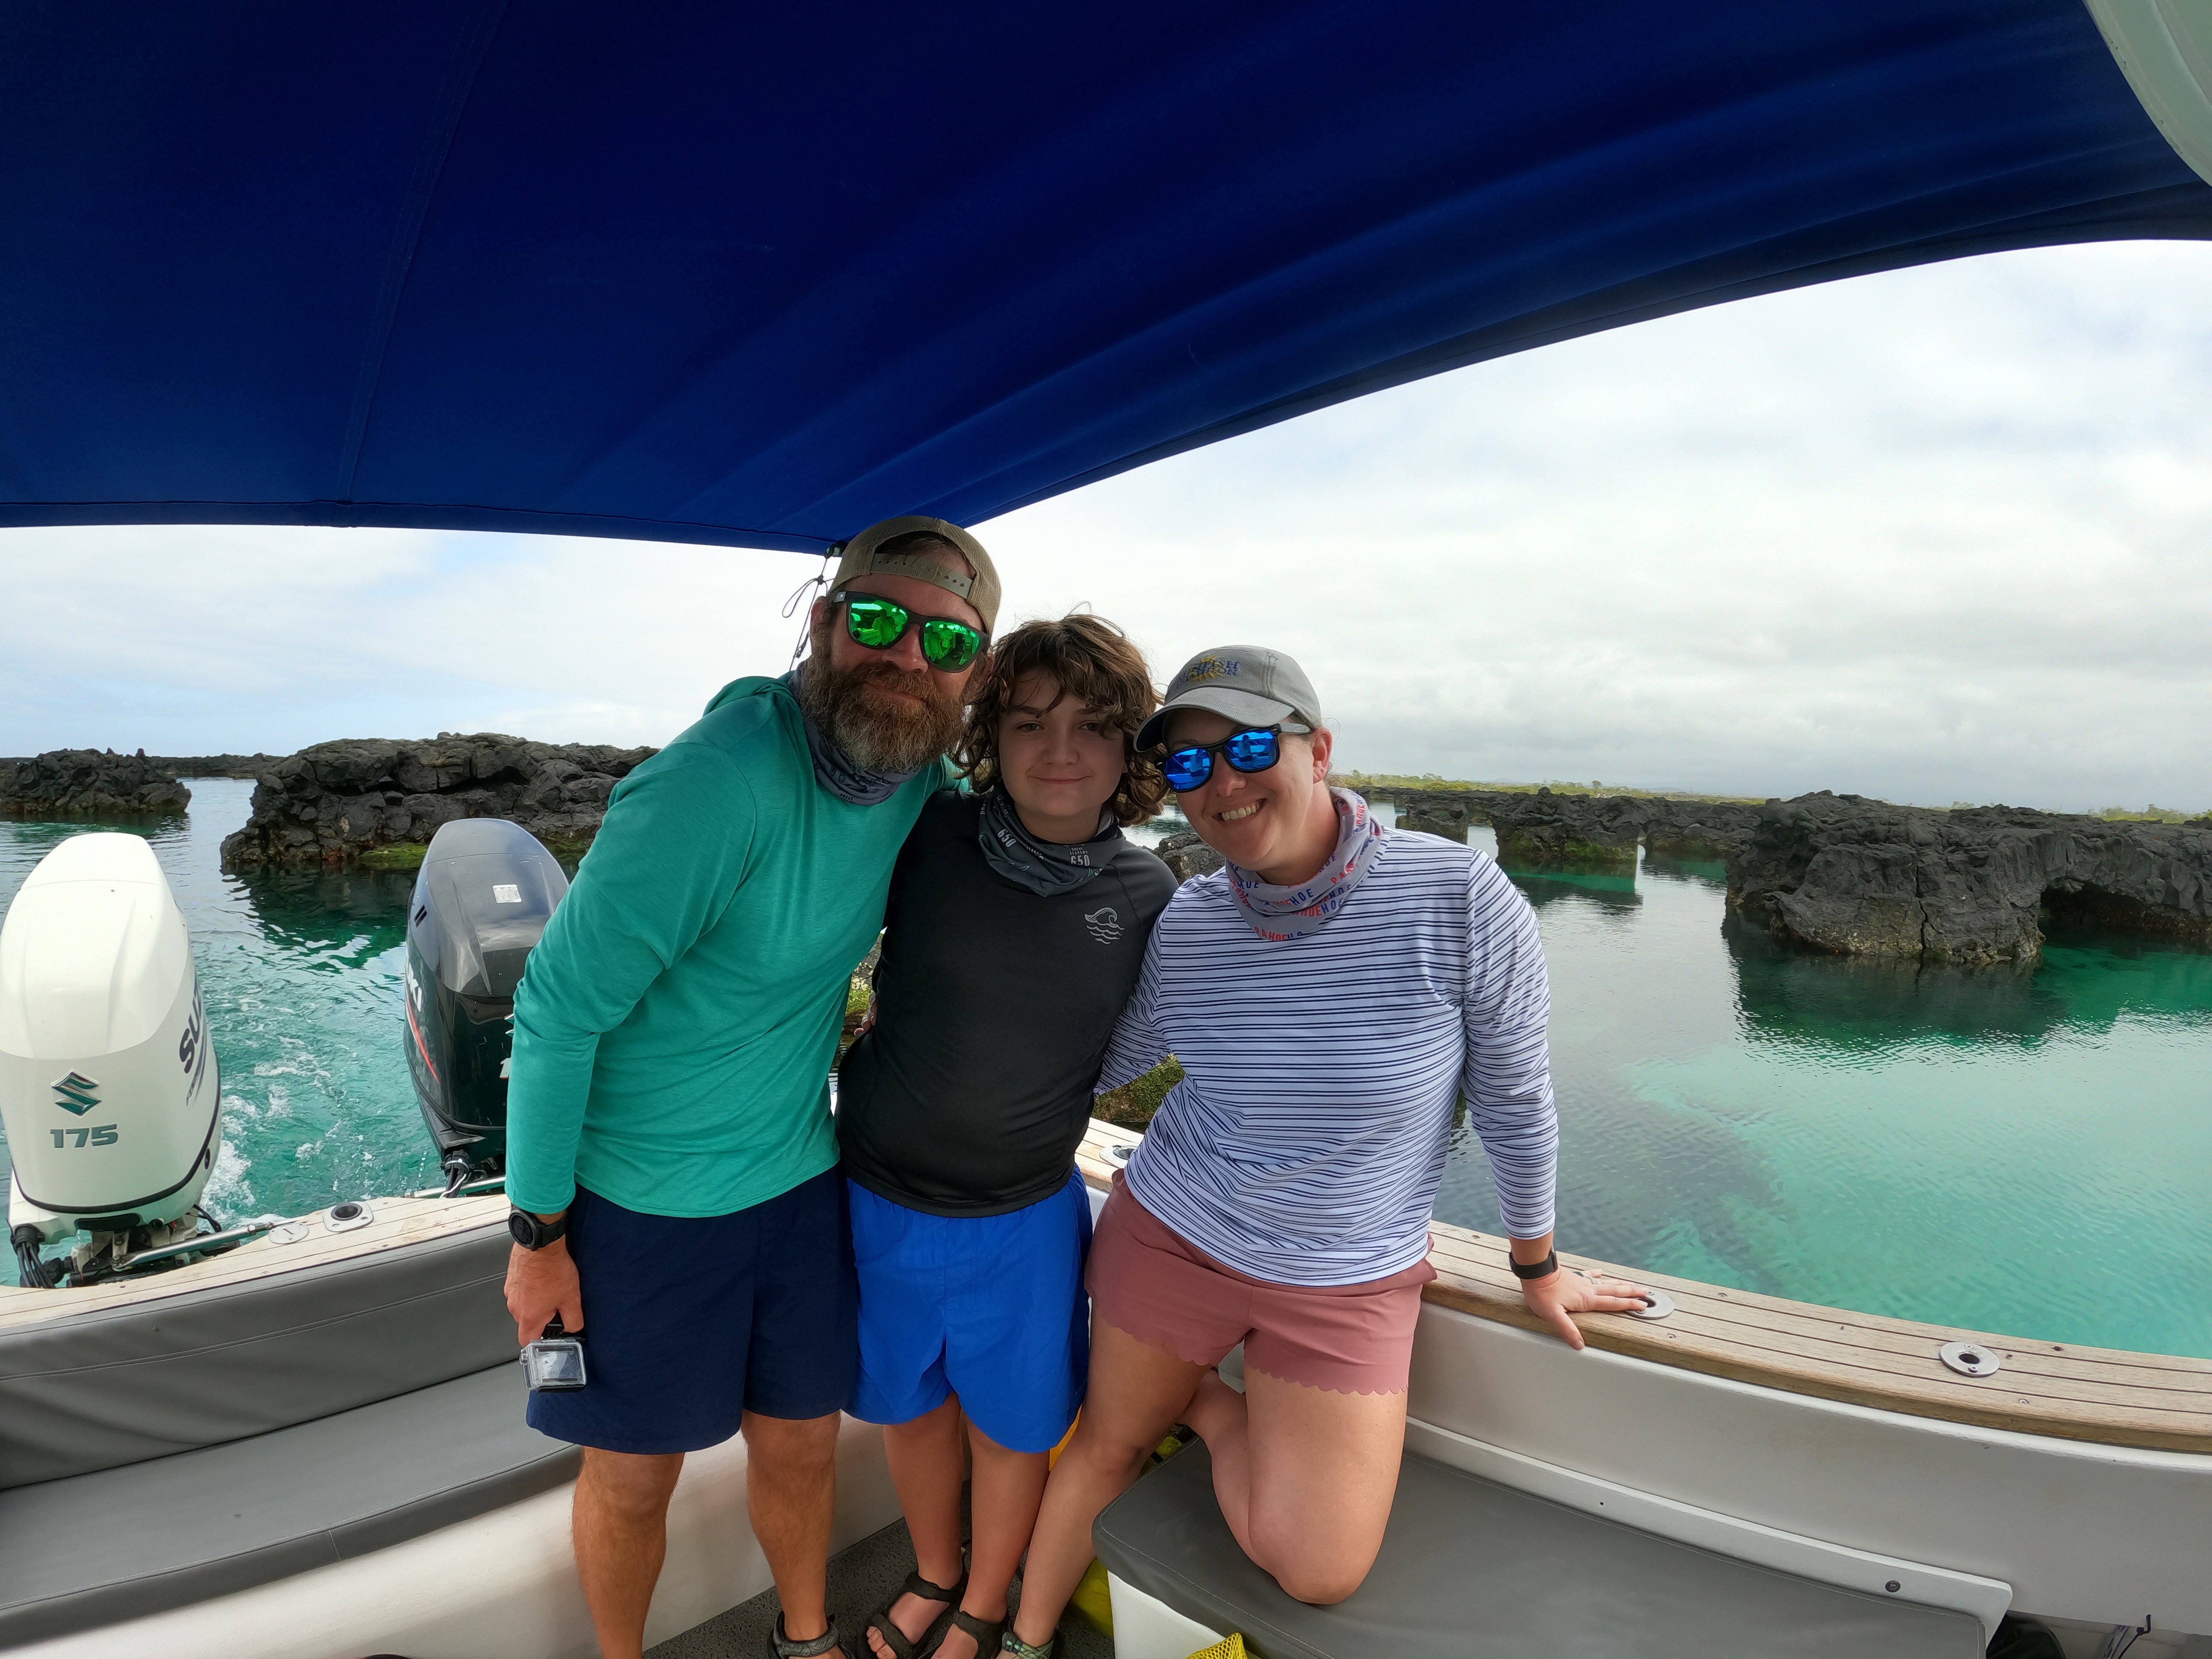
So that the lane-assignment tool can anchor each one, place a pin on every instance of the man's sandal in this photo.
(781, 1646)
(1012, 1644)
(902, 1646)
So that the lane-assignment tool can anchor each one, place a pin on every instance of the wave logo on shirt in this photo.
(1105, 926)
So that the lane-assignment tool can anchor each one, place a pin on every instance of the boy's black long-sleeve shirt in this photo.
(993, 1007)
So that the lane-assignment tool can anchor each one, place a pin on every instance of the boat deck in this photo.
(2111, 1397)
(2114, 1398)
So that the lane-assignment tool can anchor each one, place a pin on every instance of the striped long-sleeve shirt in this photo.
(1306, 1141)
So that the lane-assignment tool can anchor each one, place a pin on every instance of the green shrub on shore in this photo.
(859, 998)
(2151, 814)
(1132, 1104)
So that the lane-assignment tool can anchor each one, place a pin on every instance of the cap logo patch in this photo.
(1211, 668)
(921, 568)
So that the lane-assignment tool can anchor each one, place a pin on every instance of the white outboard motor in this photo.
(108, 1087)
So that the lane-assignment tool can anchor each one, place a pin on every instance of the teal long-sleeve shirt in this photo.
(675, 1027)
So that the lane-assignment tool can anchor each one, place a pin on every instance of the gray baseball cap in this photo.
(1247, 683)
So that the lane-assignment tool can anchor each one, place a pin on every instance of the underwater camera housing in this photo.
(487, 889)
(109, 1089)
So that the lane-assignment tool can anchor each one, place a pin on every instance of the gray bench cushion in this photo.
(122, 1543)
(1472, 1568)
(93, 1391)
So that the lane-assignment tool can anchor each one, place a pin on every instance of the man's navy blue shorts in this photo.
(691, 1321)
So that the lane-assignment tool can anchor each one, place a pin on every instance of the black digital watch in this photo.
(532, 1233)
(1543, 1270)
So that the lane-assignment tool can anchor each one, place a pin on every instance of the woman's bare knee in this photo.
(1322, 1569)
(1321, 1584)
(1109, 1457)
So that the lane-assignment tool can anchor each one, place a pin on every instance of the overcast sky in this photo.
(1942, 534)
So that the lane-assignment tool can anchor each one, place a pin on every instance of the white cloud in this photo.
(196, 640)
(1938, 534)
(1933, 535)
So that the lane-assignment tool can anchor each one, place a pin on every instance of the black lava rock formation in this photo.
(1543, 830)
(1445, 812)
(1549, 831)
(377, 801)
(1187, 856)
(215, 766)
(1860, 877)
(1698, 829)
(90, 783)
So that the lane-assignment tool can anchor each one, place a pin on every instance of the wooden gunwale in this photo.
(1814, 1324)
(393, 1222)
(1796, 1327)
(2160, 1402)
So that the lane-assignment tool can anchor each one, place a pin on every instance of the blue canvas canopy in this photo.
(759, 276)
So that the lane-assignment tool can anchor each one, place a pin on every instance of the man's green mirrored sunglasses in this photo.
(881, 623)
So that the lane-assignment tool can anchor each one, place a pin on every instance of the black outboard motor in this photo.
(487, 889)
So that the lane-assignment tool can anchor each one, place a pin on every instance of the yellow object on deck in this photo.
(1092, 1603)
(1231, 1646)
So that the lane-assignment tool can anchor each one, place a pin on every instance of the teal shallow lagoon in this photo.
(2029, 1154)
(300, 972)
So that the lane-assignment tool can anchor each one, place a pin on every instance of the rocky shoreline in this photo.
(90, 783)
(1187, 857)
(1845, 874)
(1543, 830)
(377, 801)
(1837, 873)
(1974, 885)
(215, 766)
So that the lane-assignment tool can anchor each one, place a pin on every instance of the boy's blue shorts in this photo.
(990, 1308)
(689, 1322)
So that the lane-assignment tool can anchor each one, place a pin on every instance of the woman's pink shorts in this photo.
(1145, 1281)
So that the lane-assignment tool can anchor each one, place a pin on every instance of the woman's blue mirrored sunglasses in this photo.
(1190, 766)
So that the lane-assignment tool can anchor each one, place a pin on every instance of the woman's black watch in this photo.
(1543, 1270)
(532, 1233)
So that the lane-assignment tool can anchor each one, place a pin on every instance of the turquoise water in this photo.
(300, 972)
(2025, 1153)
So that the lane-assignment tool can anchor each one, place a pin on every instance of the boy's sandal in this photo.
(902, 1646)
(781, 1646)
(1012, 1644)
(987, 1633)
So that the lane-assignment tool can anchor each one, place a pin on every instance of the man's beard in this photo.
(879, 735)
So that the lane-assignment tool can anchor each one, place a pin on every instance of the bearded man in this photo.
(671, 1159)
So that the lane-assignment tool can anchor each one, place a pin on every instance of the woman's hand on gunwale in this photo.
(1559, 1296)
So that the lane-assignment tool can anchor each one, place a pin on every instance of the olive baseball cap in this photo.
(1245, 682)
(859, 557)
